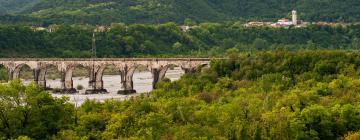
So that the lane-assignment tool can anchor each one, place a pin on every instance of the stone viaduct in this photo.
(96, 67)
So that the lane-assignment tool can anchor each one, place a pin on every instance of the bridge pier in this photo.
(127, 74)
(99, 83)
(10, 74)
(16, 72)
(158, 74)
(96, 82)
(91, 78)
(67, 85)
(39, 77)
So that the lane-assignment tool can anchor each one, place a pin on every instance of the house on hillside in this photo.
(185, 28)
(257, 24)
(38, 29)
(101, 29)
(283, 22)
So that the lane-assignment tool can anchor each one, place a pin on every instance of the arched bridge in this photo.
(96, 67)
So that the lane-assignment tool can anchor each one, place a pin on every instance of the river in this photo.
(112, 83)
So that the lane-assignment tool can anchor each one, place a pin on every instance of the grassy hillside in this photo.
(159, 11)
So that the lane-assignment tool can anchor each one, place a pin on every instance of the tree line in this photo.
(169, 40)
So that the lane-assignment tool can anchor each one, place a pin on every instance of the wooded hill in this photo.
(159, 11)
(168, 40)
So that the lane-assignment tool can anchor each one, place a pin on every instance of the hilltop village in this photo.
(280, 23)
(294, 22)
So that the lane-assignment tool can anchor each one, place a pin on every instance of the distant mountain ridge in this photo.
(158, 11)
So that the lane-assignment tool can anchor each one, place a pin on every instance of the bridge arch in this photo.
(141, 74)
(99, 77)
(20, 70)
(68, 73)
(159, 72)
(126, 72)
(172, 70)
(101, 83)
(96, 74)
(49, 72)
(190, 67)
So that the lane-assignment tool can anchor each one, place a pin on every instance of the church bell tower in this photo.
(294, 17)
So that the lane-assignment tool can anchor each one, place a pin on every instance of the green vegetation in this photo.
(79, 87)
(160, 11)
(3, 74)
(268, 95)
(167, 40)
(32, 112)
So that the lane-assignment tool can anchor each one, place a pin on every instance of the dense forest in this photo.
(267, 95)
(46, 12)
(168, 40)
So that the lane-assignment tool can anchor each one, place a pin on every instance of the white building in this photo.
(186, 28)
(282, 22)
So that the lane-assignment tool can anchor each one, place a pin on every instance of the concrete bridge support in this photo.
(16, 72)
(96, 82)
(158, 74)
(67, 84)
(127, 73)
(99, 83)
(40, 77)
(10, 74)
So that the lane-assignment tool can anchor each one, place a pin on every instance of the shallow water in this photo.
(112, 83)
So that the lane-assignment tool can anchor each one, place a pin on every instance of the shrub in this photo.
(352, 136)
(79, 87)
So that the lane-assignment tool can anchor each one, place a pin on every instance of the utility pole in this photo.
(93, 46)
(94, 69)
(92, 81)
